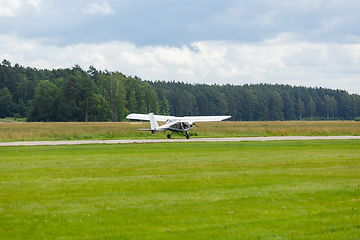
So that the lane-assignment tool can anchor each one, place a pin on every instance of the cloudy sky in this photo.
(298, 42)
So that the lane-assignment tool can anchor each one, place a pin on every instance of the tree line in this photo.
(74, 94)
(264, 102)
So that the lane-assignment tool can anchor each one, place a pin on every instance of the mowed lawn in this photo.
(246, 190)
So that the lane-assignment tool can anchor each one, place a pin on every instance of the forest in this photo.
(77, 95)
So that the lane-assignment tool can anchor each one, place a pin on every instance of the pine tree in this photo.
(164, 106)
(311, 107)
(300, 108)
(132, 104)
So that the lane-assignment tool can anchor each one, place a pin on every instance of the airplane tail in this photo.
(154, 124)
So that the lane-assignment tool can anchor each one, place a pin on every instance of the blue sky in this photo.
(300, 42)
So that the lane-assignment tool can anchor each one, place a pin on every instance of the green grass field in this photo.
(247, 190)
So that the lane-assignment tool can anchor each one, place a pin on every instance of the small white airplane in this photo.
(174, 124)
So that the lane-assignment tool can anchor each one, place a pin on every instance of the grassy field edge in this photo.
(23, 131)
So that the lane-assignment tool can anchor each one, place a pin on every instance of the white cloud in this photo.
(186, 72)
(35, 4)
(95, 8)
(9, 8)
(296, 63)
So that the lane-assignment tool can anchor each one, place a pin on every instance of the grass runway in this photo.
(247, 190)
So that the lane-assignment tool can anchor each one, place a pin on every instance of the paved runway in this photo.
(237, 139)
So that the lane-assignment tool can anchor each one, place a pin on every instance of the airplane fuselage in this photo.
(172, 123)
(178, 126)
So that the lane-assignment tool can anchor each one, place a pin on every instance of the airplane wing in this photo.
(160, 118)
(203, 118)
(163, 118)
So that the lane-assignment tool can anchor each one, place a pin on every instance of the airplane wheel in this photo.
(169, 135)
(187, 136)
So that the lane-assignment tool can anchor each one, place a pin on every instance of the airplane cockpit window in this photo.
(185, 125)
(171, 120)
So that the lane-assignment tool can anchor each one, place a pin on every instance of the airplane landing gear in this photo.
(187, 135)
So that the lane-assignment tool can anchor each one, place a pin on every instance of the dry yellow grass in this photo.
(286, 128)
(23, 131)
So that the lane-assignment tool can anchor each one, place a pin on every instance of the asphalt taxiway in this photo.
(182, 140)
